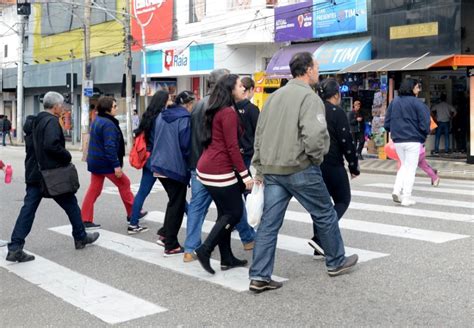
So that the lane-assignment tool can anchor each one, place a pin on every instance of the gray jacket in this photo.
(291, 131)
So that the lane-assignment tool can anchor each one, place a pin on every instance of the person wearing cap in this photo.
(169, 162)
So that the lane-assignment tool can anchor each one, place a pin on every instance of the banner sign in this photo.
(294, 22)
(343, 17)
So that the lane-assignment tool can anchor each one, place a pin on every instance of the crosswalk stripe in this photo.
(383, 229)
(287, 243)
(428, 189)
(424, 200)
(443, 183)
(102, 301)
(235, 279)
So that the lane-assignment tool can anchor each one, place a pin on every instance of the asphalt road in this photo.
(417, 268)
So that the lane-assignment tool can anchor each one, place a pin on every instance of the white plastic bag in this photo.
(254, 205)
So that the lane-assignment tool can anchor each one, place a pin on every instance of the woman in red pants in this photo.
(105, 160)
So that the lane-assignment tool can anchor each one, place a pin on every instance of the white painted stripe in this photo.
(102, 301)
(409, 211)
(444, 183)
(423, 200)
(216, 176)
(383, 229)
(287, 243)
(235, 279)
(428, 189)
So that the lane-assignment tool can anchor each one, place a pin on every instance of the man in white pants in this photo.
(408, 121)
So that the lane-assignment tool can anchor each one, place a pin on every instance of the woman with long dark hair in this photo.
(408, 121)
(222, 170)
(169, 162)
(105, 160)
(340, 147)
(157, 104)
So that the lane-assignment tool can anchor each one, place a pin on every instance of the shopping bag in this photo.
(254, 205)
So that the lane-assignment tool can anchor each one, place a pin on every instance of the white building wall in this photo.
(9, 27)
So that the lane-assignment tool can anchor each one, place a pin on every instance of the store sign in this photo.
(413, 31)
(294, 22)
(180, 62)
(337, 55)
(156, 16)
(337, 18)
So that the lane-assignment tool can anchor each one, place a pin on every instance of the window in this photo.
(5, 51)
(197, 10)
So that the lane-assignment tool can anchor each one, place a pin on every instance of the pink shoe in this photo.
(8, 174)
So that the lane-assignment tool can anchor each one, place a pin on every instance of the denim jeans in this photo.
(146, 184)
(197, 211)
(310, 191)
(443, 128)
(25, 219)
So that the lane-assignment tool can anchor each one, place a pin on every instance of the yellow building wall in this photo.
(107, 37)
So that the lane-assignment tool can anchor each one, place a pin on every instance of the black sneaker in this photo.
(131, 230)
(318, 250)
(348, 263)
(91, 226)
(90, 238)
(141, 216)
(258, 286)
(19, 256)
(235, 263)
(173, 252)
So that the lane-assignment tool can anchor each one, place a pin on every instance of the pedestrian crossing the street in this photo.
(112, 305)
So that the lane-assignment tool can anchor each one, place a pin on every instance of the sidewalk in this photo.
(446, 169)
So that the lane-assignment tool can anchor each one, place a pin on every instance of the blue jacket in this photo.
(106, 146)
(172, 144)
(408, 120)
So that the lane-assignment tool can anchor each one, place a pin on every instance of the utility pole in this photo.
(128, 74)
(19, 82)
(86, 70)
(73, 120)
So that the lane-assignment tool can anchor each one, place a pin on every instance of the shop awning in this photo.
(279, 64)
(333, 56)
(409, 63)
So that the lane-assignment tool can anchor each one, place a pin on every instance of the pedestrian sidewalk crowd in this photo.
(297, 144)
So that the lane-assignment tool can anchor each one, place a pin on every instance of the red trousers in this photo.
(95, 189)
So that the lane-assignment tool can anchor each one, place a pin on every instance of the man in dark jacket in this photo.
(6, 129)
(357, 125)
(200, 197)
(249, 117)
(45, 131)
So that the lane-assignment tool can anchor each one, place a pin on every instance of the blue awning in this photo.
(336, 55)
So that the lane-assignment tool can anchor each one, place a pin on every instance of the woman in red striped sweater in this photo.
(222, 171)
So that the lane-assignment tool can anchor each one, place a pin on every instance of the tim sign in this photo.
(157, 18)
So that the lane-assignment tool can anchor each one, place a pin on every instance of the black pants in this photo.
(174, 211)
(337, 182)
(24, 222)
(229, 212)
(359, 141)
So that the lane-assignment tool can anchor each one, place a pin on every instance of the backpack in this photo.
(139, 154)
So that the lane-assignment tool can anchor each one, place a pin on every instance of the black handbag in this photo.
(59, 181)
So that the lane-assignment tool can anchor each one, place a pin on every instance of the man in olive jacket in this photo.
(290, 143)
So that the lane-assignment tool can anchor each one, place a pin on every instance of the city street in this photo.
(415, 265)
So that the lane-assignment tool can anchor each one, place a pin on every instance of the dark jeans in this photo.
(24, 222)
(337, 182)
(442, 129)
(310, 191)
(359, 141)
(5, 136)
(174, 211)
(146, 184)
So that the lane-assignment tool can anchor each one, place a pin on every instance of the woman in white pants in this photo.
(408, 121)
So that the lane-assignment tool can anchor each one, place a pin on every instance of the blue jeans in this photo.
(309, 189)
(24, 222)
(197, 211)
(443, 128)
(146, 184)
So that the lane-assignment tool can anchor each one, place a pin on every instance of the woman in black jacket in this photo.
(341, 146)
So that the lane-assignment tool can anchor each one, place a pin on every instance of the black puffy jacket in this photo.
(32, 174)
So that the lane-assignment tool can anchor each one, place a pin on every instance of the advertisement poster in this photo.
(294, 22)
(344, 17)
(157, 18)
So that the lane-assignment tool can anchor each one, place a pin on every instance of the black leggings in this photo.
(337, 183)
(359, 141)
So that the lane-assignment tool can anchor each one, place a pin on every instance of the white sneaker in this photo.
(396, 198)
(435, 183)
(407, 201)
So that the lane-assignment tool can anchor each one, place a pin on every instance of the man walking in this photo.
(287, 163)
(45, 131)
(6, 129)
(444, 113)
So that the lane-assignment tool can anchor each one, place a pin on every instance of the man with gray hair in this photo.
(45, 132)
